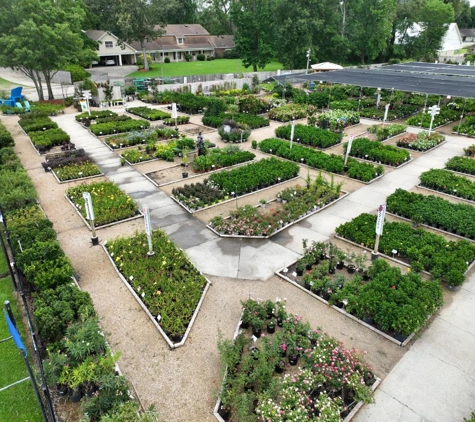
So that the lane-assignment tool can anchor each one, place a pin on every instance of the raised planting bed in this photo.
(467, 127)
(45, 140)
(387, 131)
(136, 137)
(422, 142)
(95, 114)
(380, 297)
(461, 164)
(337, 120)
(166, 284)
(291, 373)
(148, 113)
(449, 183)
(118, 126)
(395, 113)
(71, 165)
(293, 205)
(252, 104)
(180, 120)
(445, 260)
(288, 112)
(332, 163)
(221, 157)
(434, 211)
(445, 115)
(33, 123)
(310, 135)
(252, 121)
(233, 183)
(376, 151)
(110, 204)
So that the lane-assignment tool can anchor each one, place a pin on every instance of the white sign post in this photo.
(292, 131)
(379, 228)
(87, 96)
(433, 111)
(90, 216)
(174, 113)
(148, 229)
(386, 113)
(348, 149)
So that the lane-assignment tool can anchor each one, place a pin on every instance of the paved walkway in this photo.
(434, 381)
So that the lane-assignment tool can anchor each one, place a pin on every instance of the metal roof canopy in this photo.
(424, 78)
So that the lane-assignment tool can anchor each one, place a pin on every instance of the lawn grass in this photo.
(7, 85)
(18, 403)
(200, 68)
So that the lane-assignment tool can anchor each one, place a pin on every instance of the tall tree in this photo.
(433, 21)
(370, 26)
(186, 12)
(133, 20)
(39, 44)
(254, 35)
(214, 15)
(295, 27)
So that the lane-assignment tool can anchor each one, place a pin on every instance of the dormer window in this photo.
(180, 41)
(109, 44)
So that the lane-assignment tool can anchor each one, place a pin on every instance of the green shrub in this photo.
(77, 72)
(201, 57)
(6, 139)
(166, 60)
(188, 57)
(49, 138)
(35, 123)
(140, 61)
(17, 189)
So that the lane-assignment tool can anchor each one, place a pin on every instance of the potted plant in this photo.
(340, 257)
(350, 261)
(184, 157)
(263, 203)
(300, 266)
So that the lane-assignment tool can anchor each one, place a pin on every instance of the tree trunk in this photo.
(31, 74)
(48, 85)
(254, 67)
(41, 96)
(146, 66)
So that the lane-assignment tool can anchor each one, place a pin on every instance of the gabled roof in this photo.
(182, 30)
(96, 35)
(467, 32)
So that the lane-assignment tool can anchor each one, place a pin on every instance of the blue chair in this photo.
(18, 105)
(27, 106)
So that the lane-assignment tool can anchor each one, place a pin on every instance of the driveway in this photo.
(111, 71)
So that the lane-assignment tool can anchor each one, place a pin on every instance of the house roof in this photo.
(95, 35)
(452, 39)
(183, 30)
(168, 42)
(221, 41)
(467, 32)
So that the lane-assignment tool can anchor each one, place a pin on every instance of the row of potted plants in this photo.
(337, 120)
(421, 141)
(128, 125)
(447, 182)
(245, 179)
(109, 202)
(94, 114)
(309, 135)
(461, 164)
(149, 113)
(297, 201)
(445, 260)
(251, 120)
(71, 165)
(288, 112)
(36, 122)
(396, 112)
(166, 282)
(136, 137)
(180, 120)
(434, 211)
(6, 139)
(64, 316)
(445, 115)
(260, 383)
(221, 157)
(467, 127)
(45, 140)
(319, 160)
(376, 151)
(404, 301)
(387, 131)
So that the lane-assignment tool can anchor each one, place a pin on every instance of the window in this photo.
(109, 44)
(180, 41)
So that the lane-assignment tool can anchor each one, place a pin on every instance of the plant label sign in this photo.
(380, 219)
(174, 111)
(89, 208)
(148, 226)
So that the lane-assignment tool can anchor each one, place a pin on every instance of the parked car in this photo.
(109, 62)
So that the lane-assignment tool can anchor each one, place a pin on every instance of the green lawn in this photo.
(200, 68)
(18, 403)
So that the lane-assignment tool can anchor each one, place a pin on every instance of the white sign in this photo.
(348, 148)
(174, 111)
(433, 111)
(89, 209)
(148, 226)
(380, 220)
(386, 112)
(292, 131)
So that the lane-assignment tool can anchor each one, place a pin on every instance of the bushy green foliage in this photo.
(77, 72)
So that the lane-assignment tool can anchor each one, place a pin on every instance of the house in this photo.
(109, 48)
(177, 41)
(468, 35)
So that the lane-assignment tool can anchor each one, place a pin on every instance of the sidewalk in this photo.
(434, 381)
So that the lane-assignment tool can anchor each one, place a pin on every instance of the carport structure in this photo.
(417, 77)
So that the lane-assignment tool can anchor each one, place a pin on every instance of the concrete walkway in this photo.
(434, 381)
